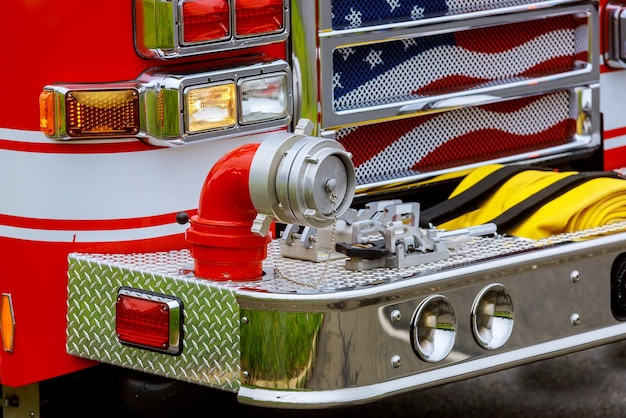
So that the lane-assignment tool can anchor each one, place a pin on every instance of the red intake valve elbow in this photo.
(222, 245)
(289, 177)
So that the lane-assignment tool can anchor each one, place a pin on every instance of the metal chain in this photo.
(333, 198)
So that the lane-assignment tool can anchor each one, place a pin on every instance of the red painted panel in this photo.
(46, 42)
(35, 274)
(615, 158)
(69, 42)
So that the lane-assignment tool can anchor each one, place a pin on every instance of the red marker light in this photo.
(205, 20)
(255, 17)
(165, 29)
(148, 321)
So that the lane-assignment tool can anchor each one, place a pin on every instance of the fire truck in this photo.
(306, 203)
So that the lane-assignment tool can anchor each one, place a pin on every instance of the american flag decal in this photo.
(348, 14)
(402, 70)
(407, 147)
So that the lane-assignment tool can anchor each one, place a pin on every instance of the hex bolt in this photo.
(396, 361)
(574, 276)
(575, 319)
(396, 316)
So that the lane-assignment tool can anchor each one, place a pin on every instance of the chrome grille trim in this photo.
(459, 10)
(334, 116)
(315, 41)
(547, 125)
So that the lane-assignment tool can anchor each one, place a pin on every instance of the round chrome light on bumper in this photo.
(492, 317)
(433, 329)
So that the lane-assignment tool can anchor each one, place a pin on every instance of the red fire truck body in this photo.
(452, 88)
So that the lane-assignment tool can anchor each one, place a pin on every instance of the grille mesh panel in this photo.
(403, 70)
(349, 14)
(407, 147)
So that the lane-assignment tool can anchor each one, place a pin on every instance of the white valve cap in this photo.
(300, 179)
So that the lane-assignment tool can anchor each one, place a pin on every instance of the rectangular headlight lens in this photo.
(211, 107)
(264, 98)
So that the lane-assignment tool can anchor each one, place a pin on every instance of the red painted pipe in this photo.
(222, 245)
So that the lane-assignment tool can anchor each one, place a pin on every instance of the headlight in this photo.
(174, 106)
(212, 107)
(264, 98)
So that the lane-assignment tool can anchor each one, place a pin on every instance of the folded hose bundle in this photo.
(531, 202)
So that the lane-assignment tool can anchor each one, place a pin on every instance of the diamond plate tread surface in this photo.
(210, 353)
(338, 278)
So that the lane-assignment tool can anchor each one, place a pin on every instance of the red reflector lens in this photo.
(143, 322)
(205, 20)
(255, 17)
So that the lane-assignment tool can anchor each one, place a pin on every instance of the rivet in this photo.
(574, 276)
(575, 319)
(396, 316)
(246, 374)
(244, 319)
(396, 361)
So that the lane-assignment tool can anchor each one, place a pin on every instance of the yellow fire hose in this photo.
(536, 203)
